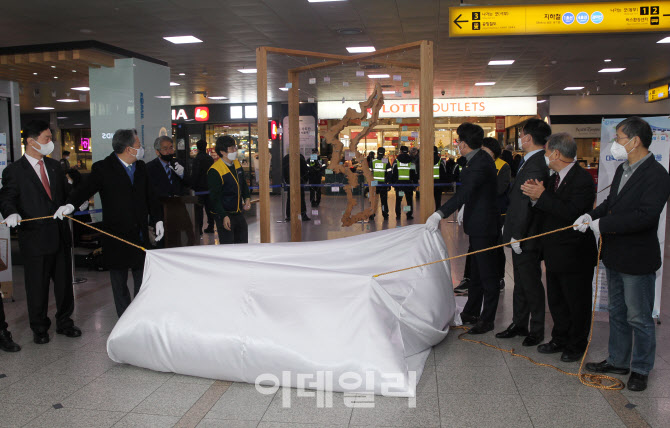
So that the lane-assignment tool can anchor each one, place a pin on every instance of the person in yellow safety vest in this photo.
(381, 173)
(228, 193)
(439, 177)
(404, 173)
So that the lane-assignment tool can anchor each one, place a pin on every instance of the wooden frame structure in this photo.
(426, 129)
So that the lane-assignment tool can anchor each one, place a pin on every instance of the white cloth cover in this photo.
(234, 312)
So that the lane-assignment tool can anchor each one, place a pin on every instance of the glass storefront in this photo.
(78, 142)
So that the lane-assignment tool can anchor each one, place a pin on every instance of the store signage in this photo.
(274, 132)
(201, 114)
(85, 145)
(463, 107)
(500, 123)
(631, 16)
(656, 94)
(179, 114)
(581, 130)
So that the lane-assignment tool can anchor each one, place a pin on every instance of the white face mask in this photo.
(619, 152)
(69, 181)
(232, 156)
(140, 153)
(45, 149)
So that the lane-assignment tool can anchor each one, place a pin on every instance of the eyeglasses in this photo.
(620, 138)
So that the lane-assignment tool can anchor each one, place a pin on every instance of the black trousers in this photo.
(3, 323)
(528, 297)
(203, 204)
(238, 233)
(383, 193)
(315, 194)
(119, 278)
(303, 207)
(39, 271)
(437, 194)
(569, 298)
(483, 287)
(409, 200)
(500, 261)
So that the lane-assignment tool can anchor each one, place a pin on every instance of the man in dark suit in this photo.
(628, 221)
(64, 161)
(304, 178)
(522, 221)
(165, 173)
(128, 199)
(480, 222)
(34, 186)
(569, 256)
(201, 165)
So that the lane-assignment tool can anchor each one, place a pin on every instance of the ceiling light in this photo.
(217, 98)
(360, 49)
(182, 74)
(666, 40)
(322, 1)
(541, 101)
(162, 96)
(78, 124)
(67, 100)
(485, 83)
(388, 92)
(55, 77)
(44, 108)
(247, 70)
(283, 89)
(61, 117)
(53, 66)
(611, 70)
(502, 62)
(350, 31)
(175, 84)
(180, 40)
(34, 74)
(74, 71)
(81, 88)
(573, 88)
(608, 60)
(378, 76)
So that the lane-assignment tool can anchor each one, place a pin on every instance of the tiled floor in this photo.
(73, 383)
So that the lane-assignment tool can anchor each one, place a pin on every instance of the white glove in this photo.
(178, 169)
(459, 217)
(12, 220)
(595, 227)
(159, 231)
(433, 222)
(64, 210)
(579, 223)
(516, 246)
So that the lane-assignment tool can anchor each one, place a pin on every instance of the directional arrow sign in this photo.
(569, 18)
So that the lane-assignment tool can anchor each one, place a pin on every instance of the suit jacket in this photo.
(201, 164)
(159, 179)
(478, 192)
(629, 219)
(569, 250)
(126, 208)
(23, 193)
(521, 220)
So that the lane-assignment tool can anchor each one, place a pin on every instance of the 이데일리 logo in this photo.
(202, 114)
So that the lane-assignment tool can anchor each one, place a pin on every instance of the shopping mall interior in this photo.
(192, 347)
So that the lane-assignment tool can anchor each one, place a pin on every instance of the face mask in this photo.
(619, 152)
(232, 156)
(460, 151)
(140, 153)
(167, 158)
(45, 149)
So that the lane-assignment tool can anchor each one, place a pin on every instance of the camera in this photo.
(442, 91)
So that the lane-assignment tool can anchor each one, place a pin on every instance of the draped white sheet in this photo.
(234, 312)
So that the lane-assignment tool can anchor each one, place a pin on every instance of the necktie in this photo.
(45, 180)
(521, 164)
(557, 182)
(169, 173)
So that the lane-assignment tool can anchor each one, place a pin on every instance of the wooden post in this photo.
(263, 150)
(426, 130)
(294, 156)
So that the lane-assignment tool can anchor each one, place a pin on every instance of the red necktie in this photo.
(45, 180)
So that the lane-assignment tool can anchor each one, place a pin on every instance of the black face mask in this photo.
(167, 158)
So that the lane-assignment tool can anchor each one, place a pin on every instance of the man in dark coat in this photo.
(165, 173)
(128, 200)
(201, 165)
(34, 186)
(304, 177)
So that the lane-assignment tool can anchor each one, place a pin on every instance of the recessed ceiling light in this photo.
(81, 88)
(78, 124)
(501, 62)
(666, 40)
(611, 70)
(180, 40)
(378, 76)
(175, 84)
(247, 70)
(541, 101)
(388, 92)
(608, 60)
(55, 77)
(53, 66)
(283, 89)
(34, 74)
(485, 83)
(74, 71)
(162, 96)
(218, 98)
(61, 117)
(182, 74)
(322, 1)
(573, 88)
(350, 31)
(360, 49)
(44, 108)
(67, 100)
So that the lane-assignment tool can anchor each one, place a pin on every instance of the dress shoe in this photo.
(69, 331)
(209, 230)
(386, 216)
(41, 338)
(512, 331)
(469, 319)
(463, 286)
(481, 327)
(410, 217)
(372, 217)
(531, 340)
(305, 218)
(6, 342)
(605, 367)
(637, 382)
(571, 356)
(550, 348)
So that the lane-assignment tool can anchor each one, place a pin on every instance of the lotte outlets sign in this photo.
(464, 107)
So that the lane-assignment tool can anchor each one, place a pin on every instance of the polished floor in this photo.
(73, 383)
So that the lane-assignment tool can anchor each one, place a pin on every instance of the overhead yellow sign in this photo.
(656, 94)
(569, 18)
